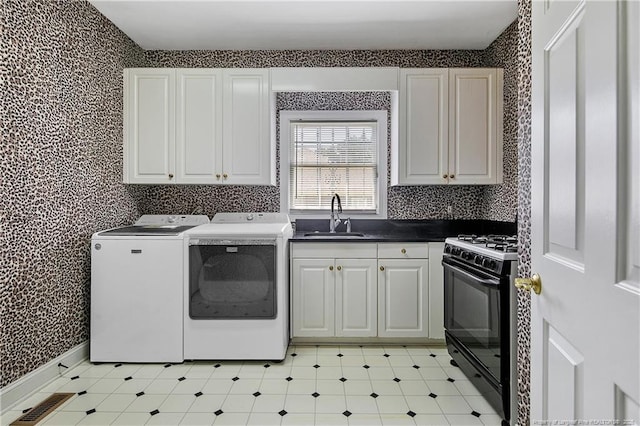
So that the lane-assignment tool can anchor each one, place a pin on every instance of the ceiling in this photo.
(309, 24)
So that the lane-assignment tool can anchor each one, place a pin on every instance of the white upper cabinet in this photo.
(475, 126)
(450, 127)
(246, 153)
(423, 132)
(149, 126)
(198, 126)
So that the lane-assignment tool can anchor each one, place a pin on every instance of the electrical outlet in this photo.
(449, 209)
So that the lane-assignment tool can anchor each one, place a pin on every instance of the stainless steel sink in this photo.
(319, 234)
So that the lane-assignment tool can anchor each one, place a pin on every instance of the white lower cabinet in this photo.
(436, 291)
(355, 297)
(334, 297)
(313, 295)
(403, 298)
(363, 290)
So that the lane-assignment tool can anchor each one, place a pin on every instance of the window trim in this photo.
(380, 116)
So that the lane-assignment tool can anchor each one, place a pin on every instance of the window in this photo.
(328, 152)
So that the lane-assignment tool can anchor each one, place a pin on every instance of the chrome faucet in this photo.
(334, 220)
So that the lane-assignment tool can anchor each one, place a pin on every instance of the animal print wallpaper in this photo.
(61, 156)
(524, 207)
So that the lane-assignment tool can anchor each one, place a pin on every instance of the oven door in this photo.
(232, 279)
(473, 313)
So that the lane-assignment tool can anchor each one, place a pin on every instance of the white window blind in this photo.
(328, 157)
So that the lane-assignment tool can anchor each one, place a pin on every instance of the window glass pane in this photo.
(333, 157)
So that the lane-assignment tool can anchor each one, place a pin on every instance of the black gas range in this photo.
(480, 314)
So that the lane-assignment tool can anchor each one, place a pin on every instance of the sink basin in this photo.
(319, 234)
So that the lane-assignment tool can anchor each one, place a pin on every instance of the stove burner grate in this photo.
(503, 243)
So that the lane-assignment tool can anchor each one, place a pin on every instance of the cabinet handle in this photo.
(403, 251)
(452, 176)
(218, 176)
(382, 268)
(170, 176)
(445, 176)
(224, 175)
(339, 268)
(331, 268)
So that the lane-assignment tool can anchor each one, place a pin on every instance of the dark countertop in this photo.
(379, 230)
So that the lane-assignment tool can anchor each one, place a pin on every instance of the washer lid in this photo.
(147, 230)
(250, 218)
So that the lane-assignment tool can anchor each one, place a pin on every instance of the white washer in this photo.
(136, 290)
(236, 300)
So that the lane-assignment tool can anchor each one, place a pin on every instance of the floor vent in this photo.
(40, 411)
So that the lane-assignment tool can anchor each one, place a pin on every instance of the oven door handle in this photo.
(484, 281)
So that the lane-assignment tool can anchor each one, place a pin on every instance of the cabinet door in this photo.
(403, 298)
(423, 128)
(247, 151)
(313, 297)
(356, 296)
(199, 126)
(149, 138)
(475, 126)
(436, 291)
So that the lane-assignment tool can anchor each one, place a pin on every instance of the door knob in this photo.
(534, 283)
(382, 268)
(339, 268)
(331, 268)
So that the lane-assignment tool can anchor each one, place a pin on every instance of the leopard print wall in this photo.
(500, 201)
(409, 202)
(61, 161)
(524, 207)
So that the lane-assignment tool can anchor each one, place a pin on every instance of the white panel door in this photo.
(403, 298)
(475, 126)
(423, 129)
(585, 324)
(313, 297)
(247, 151)
(149, 123)
(199, 126)
(356, 297)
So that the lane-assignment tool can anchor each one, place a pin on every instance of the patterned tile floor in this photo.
(314, 385)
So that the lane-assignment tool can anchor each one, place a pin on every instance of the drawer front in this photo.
(334, 250)
(403, 251)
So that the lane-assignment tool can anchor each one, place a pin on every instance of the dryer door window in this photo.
(232, 280)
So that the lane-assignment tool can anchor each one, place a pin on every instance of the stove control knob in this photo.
(447, 249)
(486, 262)
(466, 255)
(477, 260)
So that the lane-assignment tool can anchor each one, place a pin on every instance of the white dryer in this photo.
(136, 290)
(236, 300)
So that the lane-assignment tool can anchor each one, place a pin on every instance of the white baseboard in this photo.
(16, 391)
